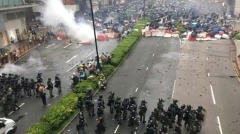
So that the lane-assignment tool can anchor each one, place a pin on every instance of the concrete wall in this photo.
(12, 25)
(237, 7)
(2, 21)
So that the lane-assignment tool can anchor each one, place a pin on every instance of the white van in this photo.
(7, 126)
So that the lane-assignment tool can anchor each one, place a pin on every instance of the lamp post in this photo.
(144, 1)
(95, 39)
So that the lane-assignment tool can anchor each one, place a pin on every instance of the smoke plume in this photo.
(55, 14)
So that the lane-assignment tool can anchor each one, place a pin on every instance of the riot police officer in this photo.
(90, 107)
(111, 101)
(142, 111)
(100, 126)
(75, 80)
(50, 87)
(81, 123)
(80, 104)
(58, 84)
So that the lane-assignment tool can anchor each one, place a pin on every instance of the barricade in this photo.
(111, 35)
(147, 34)
(154, 33)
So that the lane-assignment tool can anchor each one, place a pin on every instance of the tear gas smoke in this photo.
(55, 14)
(33, 62)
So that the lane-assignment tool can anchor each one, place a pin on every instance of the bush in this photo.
(237, 36)
(84, 85)
(40, 128)
(60, 111)
(107, 70)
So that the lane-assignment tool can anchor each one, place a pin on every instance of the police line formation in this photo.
(13, 86)
(127, 110)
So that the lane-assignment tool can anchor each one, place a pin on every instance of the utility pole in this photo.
(95, 39)
(144, 1)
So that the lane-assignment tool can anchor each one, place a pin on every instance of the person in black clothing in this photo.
(58, 84)
(50, 87)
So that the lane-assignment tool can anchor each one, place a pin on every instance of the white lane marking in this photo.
(208, 74)
(135, 132)
(90, 53)
(219, 125)
(207, 58)
(67, 45)
(153, 54)
(79, 45)
(147, 68)
(56, 46)
(21, 105)
(206, 47)
(213, 98)
(50, 45)
(136, 90)
(116, 129)
(157, 45)
(173, 88)
(10, 113)
(73, 67)
(180, 44)
(71, 58)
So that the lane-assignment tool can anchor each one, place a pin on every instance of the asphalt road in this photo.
(54, 58)
(147, 74)
(205, 76)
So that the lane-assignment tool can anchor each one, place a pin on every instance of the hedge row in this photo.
(237, 36)
(54, 117)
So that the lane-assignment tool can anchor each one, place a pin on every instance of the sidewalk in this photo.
(15, 50)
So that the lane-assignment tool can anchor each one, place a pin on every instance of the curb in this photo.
(126, 56)
(234, 64)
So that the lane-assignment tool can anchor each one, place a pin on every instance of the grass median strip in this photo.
(55, 119)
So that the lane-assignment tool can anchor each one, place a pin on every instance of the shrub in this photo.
(40, 128)
(60, 111)
(237, 36)
(84, 85)
(107, 70)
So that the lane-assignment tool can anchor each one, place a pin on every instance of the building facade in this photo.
(16, 16)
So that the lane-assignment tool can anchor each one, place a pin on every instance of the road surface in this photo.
(54, 58)
(147, 74)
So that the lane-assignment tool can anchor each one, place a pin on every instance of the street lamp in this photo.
(144, 1)
(95, 39)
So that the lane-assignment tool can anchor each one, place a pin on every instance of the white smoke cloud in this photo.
(55, 13)
(33, 63)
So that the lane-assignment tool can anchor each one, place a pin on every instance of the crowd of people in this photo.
(14, 87)
(160, 121)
